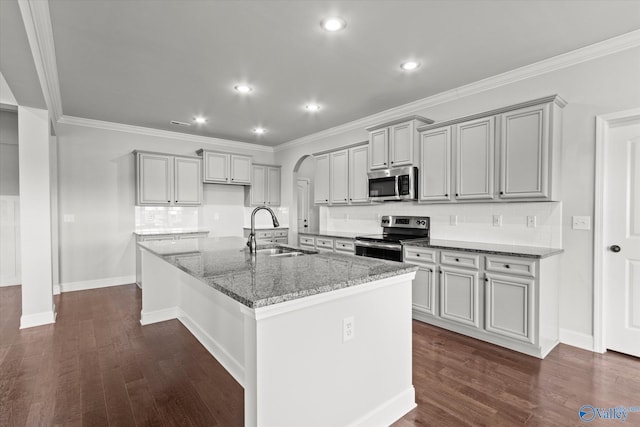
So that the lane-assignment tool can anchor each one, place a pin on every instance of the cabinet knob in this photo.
(446, 195)
(326, 200)
(486, 279)
(501, 193)
(507, 266)
(391, 162)
(457, 259)
(615, 248)
(345, 200)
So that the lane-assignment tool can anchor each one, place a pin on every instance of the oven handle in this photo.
(390, 246)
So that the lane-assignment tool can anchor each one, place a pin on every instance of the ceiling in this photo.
(146, 63)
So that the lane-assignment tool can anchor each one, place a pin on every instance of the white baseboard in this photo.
(576, 339)
(56, 289)
(97, 283)
(149, 317)
(38, 319)
(10, 281)
(390, 411)
(235, 368)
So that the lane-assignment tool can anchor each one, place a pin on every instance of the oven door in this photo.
(389, 251)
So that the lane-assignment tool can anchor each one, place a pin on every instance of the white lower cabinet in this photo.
(327, 244)
(459, 295)
(279, 235)
(506, 300)
(509, 306)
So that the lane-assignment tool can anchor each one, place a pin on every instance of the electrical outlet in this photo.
(348, 329)
(581, 222)
(497, 220)
(69, 218)
(453, 220)
(531, 221)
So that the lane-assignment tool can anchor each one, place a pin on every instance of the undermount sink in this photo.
(282, 252)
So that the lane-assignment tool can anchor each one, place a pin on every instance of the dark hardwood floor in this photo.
(97, 366)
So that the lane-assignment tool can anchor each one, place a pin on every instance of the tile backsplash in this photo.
(474, 221)
(165, 217)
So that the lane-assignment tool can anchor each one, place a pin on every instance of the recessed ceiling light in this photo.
(243, 88)
(259, 130)
(200, 120)
(333, 24)
(312, 107)
(409, 65)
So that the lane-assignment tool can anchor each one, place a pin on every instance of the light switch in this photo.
(581, 222)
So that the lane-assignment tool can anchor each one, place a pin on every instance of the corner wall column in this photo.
(35, 217)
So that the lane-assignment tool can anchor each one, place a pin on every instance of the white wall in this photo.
(97, 189)
(599, 86)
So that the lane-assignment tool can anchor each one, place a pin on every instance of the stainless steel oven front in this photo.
(381, 250)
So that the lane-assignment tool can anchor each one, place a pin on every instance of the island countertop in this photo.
(257, 281)
(489, 248)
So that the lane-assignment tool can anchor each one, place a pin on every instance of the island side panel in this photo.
(160, 294)
(303, 372)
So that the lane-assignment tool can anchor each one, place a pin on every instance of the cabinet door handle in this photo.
(501, 193)
(446, 195)
(457, 194)
(457, 259)
(507, 266)
(417, 254)
(486, 279)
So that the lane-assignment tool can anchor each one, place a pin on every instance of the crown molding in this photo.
(607, 47)
(217, 142)
(37, 23)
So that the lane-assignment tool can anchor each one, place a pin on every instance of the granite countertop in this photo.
(334, 234)
(257, 281)
(489, 248)
(285, 227)
(160, 231)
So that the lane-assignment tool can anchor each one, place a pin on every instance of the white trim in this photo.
(607, 47)
(37, 23)
(97, 283)
(11, 281)
(603, 123)
(149, 317)
(390, 411)
(38, 319)
(120, 127)
(235, 368)
(56, 289)
(576, 339)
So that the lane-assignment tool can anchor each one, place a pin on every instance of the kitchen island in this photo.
(314, 339)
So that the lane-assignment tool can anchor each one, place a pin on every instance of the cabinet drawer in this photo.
(281, 240)
(307, 241)
(523, 267)
(460, 259)
(193, 236)
(345, 246)
(264, 234)
(420, 255)
(324, 243)
(280, 233)
(158, 237)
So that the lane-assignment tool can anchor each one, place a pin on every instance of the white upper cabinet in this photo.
(224, 168)
(379, 148)
(401, 144)
(519, 147)
(392, 144)
(339, 177)
(188, 181)
(435, 165)
(321, 181)
(525, 143)
(358, 178)
(240, 169)
(265, 186)
(475, 148)
(163, 179)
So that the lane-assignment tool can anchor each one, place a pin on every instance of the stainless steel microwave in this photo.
(394, 184)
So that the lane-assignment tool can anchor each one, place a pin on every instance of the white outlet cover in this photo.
(581, 222)
(531, 221)
(497, 220)
(453, 220)
(69, 218)
(348, 329)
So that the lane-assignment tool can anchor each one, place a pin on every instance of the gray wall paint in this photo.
(601, 86)
(9, 169)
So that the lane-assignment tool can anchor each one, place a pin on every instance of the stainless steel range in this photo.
(396, 231)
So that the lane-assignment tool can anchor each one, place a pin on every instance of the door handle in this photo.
(615, 248)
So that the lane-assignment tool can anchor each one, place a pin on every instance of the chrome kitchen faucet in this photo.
(252, 235)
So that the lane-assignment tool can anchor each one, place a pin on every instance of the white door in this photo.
(302, 198)
(622, 237)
